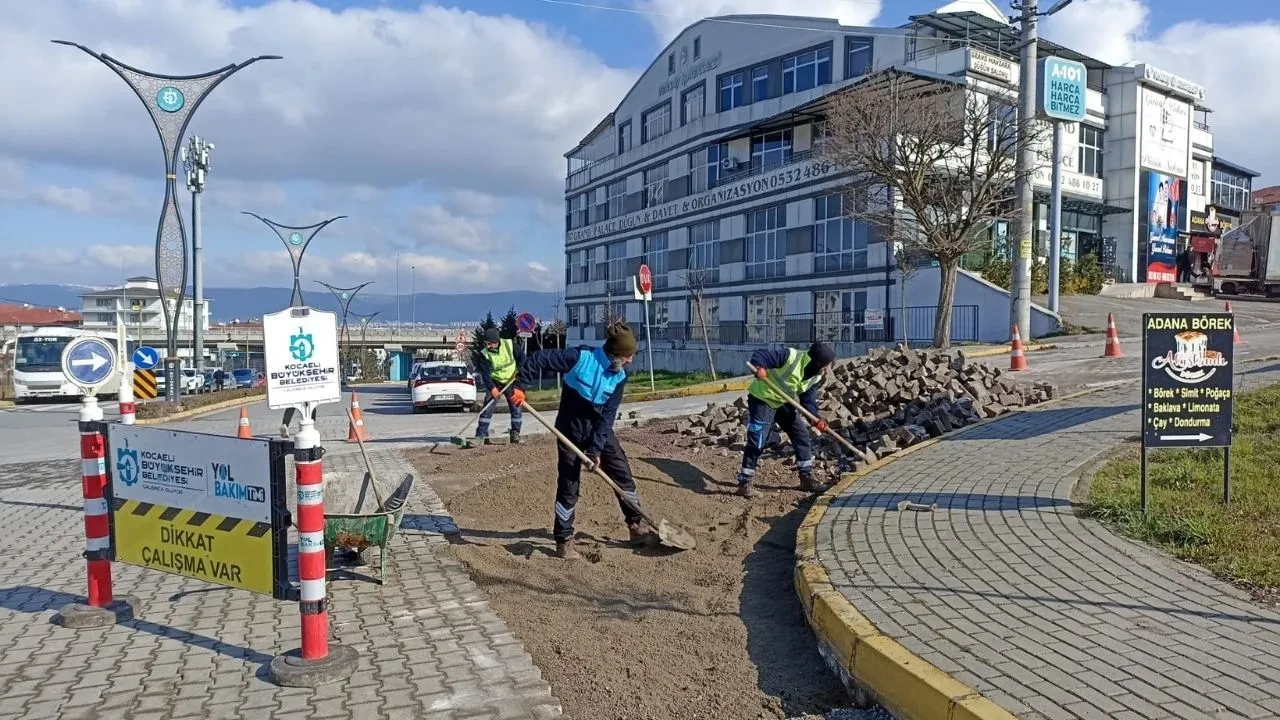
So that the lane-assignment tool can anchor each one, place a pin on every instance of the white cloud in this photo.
(109, 193)
(669, 17)
(1229, 60)
(470, 202)
(437, 226)
(79, 265)
(372, 97)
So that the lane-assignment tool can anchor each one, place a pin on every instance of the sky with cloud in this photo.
(438, 129)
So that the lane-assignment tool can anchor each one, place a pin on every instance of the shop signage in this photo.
(1187, 379)
(1211, 222)
(1072, 183)
(684, 77)
(734, 191)
(1166, 123)
(1062, 89)
(991, 65)
(1173, 83)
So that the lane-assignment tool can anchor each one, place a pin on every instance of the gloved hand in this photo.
(591, 464)
(517, 397)
(820, 425)
(495, 392)
(762, 373)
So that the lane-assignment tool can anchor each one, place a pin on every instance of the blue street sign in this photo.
(145, 358)
(1063, 91)
(88, 361)
(525, 322)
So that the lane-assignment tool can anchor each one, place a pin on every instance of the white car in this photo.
(192, 381)
(442, 385)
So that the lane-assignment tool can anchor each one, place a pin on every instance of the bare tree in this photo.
(558, 326)
(906, 265)
(696, 281)
(931, 165)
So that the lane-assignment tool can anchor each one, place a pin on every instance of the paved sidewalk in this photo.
(429, 644)
(1045, 613)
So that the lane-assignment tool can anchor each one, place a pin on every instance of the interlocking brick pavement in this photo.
(430, 646)
(1046, 613)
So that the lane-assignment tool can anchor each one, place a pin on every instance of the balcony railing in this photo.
(1200, 125)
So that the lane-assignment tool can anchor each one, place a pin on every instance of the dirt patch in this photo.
(644, 634)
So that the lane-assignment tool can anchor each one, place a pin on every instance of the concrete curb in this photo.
(6, 403)
(200, 411)
(902, 682)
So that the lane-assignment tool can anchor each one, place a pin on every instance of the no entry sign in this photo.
(525, 323)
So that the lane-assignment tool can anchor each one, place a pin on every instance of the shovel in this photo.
(668, 534)
(465, 443)
(810, 416)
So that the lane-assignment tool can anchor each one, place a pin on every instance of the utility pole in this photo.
(1020, 286)
(397, 288)
(195, 160)
(413, 291)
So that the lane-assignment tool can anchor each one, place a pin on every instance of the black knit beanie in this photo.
(820, 356)
(620, 342)
(491, 335)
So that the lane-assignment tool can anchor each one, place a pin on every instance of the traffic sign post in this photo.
(525, 325)
(644, 291)
(1188, 386)
(460, 345)
(300, 347)
(1061, 96)
(145, 358)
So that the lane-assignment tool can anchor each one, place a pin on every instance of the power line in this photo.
(876, 32)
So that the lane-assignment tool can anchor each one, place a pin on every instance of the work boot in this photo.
(565, 551)
(487, 440)
(809, 484)
(745, 490)
(515, 437)
(641, 534)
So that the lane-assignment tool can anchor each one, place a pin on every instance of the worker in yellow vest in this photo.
(799, 373)
(498, 364)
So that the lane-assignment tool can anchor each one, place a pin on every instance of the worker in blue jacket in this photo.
(594, 381)
(799, 374)
(497, 364)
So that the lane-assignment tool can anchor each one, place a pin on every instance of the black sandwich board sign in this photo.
(1188, 385)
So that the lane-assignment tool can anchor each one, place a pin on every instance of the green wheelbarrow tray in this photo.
(356, 531)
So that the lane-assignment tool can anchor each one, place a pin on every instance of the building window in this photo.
(704, 251)
(704, 167)
(624, 137)
(655, 178)
(806, 71)
(617, 197)
(731, 94)
(572, 320)
(1229, 190)
(1090, 160)
(770, 150)
(767, 243)
(693, 103)
(839, 243)
(576, 211)
(655, 123)
(766, 322)
(581, 267)
(597, 210)
(105, 302)
(671, 64)
(838, 315)
(660, 319)
(857, 56)
(1002, 130)
(697, 47)
(706, 326)
(616, 269)
(760, 84)
(655, 256)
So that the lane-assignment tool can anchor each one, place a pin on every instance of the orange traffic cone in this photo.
(1017, 354)
(244, 432)
(1235, 329)
(1113, 339)
(355, 432)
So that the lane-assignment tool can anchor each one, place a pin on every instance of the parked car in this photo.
(243, 378)
(192, 381)
(209, 384)
(442, 385)
(161, 382)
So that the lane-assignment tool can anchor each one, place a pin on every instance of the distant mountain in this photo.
(248, 303)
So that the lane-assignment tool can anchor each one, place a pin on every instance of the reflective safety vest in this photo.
(789, 377)
(591, 377)
(502, 362)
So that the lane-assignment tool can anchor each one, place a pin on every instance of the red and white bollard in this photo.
(317, 662)
(103, 607)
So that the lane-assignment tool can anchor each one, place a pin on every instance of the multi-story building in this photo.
(137, 306)
(707, 173)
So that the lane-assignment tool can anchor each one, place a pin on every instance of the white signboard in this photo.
(215, 474)
(300, 346)
(873, 319)
(1166, 134)
(731, 191)
(1195, 186)
(1073, 183)
(992, 66)
(1168, 80)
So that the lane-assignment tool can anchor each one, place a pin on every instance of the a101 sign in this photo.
(1063, 89)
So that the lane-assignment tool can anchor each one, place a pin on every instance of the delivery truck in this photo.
(1247, 257)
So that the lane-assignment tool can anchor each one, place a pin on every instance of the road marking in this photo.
(60, 407)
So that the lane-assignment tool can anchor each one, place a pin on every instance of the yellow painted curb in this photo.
(1003, 350)
(6, 403)
(207, 409)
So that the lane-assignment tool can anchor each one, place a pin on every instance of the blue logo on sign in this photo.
(225, 486)
(301, 347)
(127, 467)
(1063, 90)
(170, 99)
(295, 238)
(344, 296)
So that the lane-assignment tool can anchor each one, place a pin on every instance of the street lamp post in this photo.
(195, 160)
(345, 296)
(296, 238)
(413, 291)
(171, 100)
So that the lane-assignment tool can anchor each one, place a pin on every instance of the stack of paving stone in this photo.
(884, 402)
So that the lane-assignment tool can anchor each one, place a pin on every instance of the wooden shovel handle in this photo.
(492, 400)
(803, 410)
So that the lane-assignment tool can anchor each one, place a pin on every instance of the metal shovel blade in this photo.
(675, 536)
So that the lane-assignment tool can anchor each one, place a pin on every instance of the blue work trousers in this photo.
(760, 422)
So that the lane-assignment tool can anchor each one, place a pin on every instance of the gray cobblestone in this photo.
(1047, 613)
(430, 646)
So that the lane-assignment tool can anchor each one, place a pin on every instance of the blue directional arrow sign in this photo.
(88, 361)
(145, 358)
